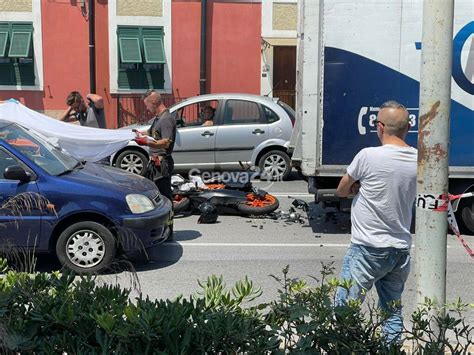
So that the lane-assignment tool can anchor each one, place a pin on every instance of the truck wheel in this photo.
(86, 247)
(274, 165)
(465, 215)
(132, 161)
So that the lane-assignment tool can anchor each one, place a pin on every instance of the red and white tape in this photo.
(443, 203)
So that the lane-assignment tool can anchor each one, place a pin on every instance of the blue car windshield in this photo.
(38, 149)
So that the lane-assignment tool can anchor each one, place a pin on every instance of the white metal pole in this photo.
(433, 144)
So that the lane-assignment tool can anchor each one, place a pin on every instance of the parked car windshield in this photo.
(38, 149)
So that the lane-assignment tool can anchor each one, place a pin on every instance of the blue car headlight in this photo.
(139, 203)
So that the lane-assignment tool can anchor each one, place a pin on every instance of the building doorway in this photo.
(284, 74)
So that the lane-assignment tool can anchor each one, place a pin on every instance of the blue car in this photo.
(87, 213)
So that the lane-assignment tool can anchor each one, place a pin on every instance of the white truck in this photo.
(353, 56)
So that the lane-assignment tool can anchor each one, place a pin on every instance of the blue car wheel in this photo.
(86, 247)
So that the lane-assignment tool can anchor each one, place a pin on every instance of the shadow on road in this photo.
(165, 254)
(160, 256)
(185, 235)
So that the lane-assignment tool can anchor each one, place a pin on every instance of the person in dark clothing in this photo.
(160, 138)
(91, 115)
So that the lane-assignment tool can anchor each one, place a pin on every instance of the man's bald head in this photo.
(394, 117)
(152, 101)
(153, 95)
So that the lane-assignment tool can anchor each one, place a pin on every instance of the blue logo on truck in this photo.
(459, 75)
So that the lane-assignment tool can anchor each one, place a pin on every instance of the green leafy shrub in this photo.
(52, 313)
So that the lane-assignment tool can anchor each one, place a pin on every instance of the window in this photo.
(270, 115)
(242, 112)
(6, 160)
(193, 115)
(141, 57)
(16, 54)
(36, 148)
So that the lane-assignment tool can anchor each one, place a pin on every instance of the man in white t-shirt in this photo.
(383, 180)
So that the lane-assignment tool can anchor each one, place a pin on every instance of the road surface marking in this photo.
(296, 245)
(293, 245)
(290, 194)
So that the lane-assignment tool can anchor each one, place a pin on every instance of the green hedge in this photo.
(51, 313)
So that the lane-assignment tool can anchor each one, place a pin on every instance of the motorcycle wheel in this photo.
(180, 203)
(258, 206)
(215, 186)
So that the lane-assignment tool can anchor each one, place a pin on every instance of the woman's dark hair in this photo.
(73, 97)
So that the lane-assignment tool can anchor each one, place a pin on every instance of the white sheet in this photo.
(84, 143)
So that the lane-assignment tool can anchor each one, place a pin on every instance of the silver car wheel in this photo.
(274, 165)
(85, 248)
(132, 163)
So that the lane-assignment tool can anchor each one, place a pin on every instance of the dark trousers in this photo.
(161, 175)
(164, 185)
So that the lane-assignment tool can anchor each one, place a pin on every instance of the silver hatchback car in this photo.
(245, 129)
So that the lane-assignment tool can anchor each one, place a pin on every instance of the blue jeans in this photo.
(388, 269)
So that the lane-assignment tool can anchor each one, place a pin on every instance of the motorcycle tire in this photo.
(180, 203)
(215, 186)
(255, 206)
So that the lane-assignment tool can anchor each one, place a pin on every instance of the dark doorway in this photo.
(284, 73)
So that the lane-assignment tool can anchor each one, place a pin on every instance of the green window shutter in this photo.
(132, 72)
(6, 74)
(17, 67)
(129, 79)
(154, 50)
(3, 42)
(129, 44)
(155, 79)
(20, 40)
(24, 73)
(130, 50)
(4, 32)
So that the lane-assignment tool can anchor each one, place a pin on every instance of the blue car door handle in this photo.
(207, 134)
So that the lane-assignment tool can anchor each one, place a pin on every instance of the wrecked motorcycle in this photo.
(229, 198)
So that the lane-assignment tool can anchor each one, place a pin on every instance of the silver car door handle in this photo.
(207, 134)
(258, 131)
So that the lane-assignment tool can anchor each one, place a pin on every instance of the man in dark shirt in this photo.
(91, 115)
(163, 132)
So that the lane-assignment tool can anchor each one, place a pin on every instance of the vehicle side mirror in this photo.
(17, 172)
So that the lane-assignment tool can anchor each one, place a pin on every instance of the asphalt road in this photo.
(236, 247)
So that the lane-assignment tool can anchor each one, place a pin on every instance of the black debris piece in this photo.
(300, 204)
